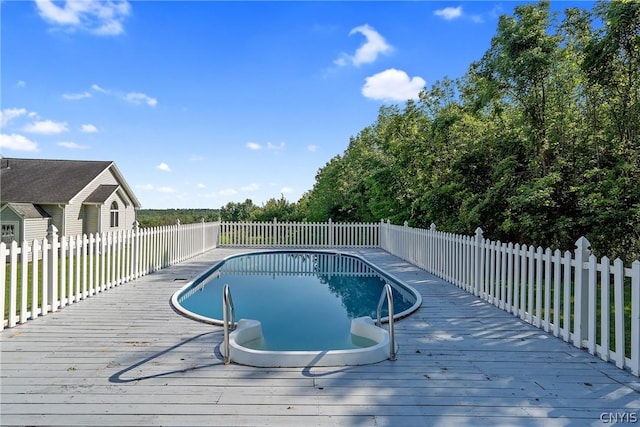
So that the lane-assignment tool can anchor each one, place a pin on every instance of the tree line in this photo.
(162, 217)
(538, 143)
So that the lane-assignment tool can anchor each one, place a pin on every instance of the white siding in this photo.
(105, 211)
(77, 214)
(35, 228)
(74, 211)
(56, 216)
(91, 214)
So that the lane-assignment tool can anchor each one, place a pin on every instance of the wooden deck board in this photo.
(123, 357)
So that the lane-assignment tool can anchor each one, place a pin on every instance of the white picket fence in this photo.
(572, 295)
(561, 293)
(70, 269)
(299, 234)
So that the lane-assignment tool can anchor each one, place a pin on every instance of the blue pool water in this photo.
(304, 300)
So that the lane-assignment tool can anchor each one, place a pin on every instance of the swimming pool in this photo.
(304, 301)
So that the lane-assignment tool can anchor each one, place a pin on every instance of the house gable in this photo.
(73, 193)
(46, 181)
(23, 221)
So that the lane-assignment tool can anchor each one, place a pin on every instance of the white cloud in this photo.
(140, 98)
(17, 143)
(227, 192)
(136, 98)
(98, 88)
(368, 52)
(72, 145)
(144, 187)
(166, 190)
(76, 96)
(97, 17)
(312, 147)
(46, 127)
(201, 185)
(163, 167)
(253, 146)
(250, 187)
(394, 85)
(9, 114)
(271, 146)
(22, 83)
(88, 128)
(286, 190)
(449, 13)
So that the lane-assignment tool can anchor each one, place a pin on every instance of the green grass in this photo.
(97, 262)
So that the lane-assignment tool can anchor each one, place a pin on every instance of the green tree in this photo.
(237, 212)
(281, 209)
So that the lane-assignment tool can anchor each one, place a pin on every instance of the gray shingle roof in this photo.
(46, 181)
(101, 194)
(29, 210)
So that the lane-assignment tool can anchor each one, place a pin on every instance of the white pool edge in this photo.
(249, 330)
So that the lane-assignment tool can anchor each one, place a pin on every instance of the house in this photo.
(77, 197)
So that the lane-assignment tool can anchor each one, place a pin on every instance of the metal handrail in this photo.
(228, 311)
(387, 293)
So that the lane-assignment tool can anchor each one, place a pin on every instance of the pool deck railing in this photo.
(125, 358)
(591, 303)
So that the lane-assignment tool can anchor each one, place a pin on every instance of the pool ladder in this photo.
(229, 320)
(387, 294)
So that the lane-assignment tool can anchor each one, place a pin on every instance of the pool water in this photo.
(304, 300)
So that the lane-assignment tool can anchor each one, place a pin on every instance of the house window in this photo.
(8, 232)
(114, 214)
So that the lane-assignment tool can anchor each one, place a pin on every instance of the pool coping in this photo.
(288, 358)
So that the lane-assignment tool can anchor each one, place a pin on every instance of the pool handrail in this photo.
(387, 293)
(228, 311)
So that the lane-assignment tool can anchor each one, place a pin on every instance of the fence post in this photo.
(405, 240)
(204, 235)
(433, 251)
(274, 231)
(178, 250)
(135, 250)
(581, 292)
(478, 260)
(635, 318)
(52, 273)
(330, 237)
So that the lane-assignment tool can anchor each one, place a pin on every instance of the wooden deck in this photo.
(125, 358)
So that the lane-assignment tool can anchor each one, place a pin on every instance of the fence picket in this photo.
(538, 285)
(605, 307)
(557, 292)
(13, 283)
(618, 298)
(592, 299)
(24, 282)
(3, 267)
(546, 321)
(560, 293)
(635, 318)
(35, 250)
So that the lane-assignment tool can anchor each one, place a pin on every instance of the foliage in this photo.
(162, 217)
(539, 142)
(281, 209)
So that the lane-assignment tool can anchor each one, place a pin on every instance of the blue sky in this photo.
(201, 103)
